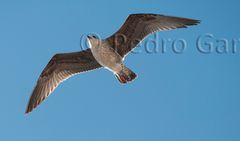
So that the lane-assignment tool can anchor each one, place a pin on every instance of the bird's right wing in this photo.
(138, 26)
(60, 68)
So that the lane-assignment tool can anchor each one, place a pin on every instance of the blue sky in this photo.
(176, 97)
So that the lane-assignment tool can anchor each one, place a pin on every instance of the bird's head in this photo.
(93, 40)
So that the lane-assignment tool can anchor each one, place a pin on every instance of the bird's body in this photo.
(108, 53)
(105, 55)
(109, 58)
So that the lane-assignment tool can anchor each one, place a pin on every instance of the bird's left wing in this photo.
(138, 26)
(60, 67)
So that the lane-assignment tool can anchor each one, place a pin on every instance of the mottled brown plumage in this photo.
(138, 26)
(109, 54)
(60, 67)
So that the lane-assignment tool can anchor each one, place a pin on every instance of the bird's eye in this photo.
(94, 36)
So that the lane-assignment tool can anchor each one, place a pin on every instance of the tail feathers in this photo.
(126, 75)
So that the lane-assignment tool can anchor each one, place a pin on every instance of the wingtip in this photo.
(192, 22)
(197, 22)
(27, 111)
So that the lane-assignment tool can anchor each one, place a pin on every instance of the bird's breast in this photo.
(106, 57)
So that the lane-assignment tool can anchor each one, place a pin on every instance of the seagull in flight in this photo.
(106, 53)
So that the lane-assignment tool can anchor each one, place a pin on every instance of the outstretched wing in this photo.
(60, 67)
(138, 26)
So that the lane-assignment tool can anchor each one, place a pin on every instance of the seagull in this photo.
(106, 53)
